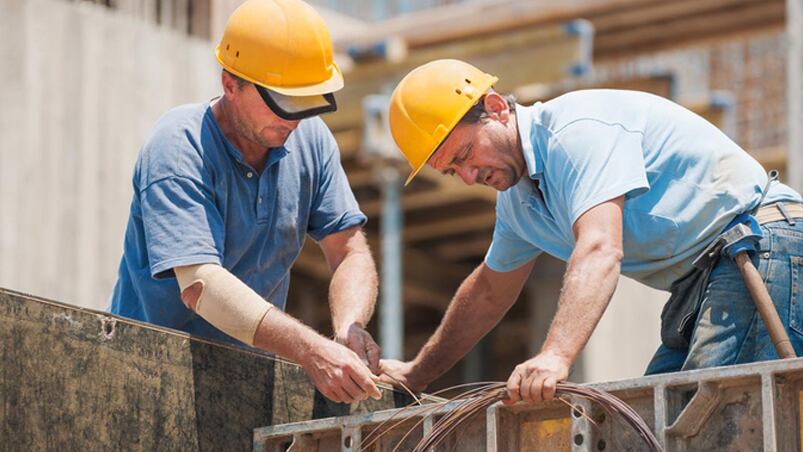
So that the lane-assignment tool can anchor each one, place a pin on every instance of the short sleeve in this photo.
(508, 251)
(334, 207)
(182, 225)
(593, 162)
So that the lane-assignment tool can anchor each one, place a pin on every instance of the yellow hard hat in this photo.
(281, 45)
(429, 102)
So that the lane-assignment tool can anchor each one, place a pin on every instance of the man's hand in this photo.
(339, 373)
(398, 373)
(536, 379)
(360, 341)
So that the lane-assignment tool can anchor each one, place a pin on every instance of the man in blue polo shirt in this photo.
(226, 191)
(610, 182)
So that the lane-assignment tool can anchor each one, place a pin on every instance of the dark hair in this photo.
(240, 82)
(477, 112)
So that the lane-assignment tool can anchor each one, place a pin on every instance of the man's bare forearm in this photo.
(353, 290)
(475, 309)
(588, 285)
(282, 334)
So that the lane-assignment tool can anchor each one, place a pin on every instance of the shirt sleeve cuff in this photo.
(164, 269)
(345, 221)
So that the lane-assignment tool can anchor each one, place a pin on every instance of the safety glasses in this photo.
(295, 108)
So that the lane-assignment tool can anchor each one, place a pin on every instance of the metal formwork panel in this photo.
(746, 407)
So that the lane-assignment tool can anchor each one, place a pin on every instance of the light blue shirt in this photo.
(197, 201)
(682, 178)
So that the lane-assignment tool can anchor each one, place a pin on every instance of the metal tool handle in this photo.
(761, 297)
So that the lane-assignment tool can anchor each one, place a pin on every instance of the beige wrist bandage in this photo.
(224, 301)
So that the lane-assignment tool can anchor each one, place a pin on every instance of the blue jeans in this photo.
(729, 330)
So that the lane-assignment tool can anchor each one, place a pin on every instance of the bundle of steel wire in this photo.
(479, 399)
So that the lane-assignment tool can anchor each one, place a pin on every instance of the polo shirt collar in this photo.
(524, 120)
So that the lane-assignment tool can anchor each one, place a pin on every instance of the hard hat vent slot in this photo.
(227, 46)
(468, 81)
(237, 55)
(458, 91)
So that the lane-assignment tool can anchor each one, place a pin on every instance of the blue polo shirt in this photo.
(197, 201)
(682, 178)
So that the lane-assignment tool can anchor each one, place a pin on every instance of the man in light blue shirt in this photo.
(610, 182)
(225, 193)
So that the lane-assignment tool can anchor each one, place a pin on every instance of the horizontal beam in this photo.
(463, 249)
(427, 281)
(458, 21)
(671, 33)
(446, 227)
(554, 51)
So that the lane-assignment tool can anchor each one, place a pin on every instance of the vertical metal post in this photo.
(794, 93)
(474, 363)
(391, 312)
(380, 152)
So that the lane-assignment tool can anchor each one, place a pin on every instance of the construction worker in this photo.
(225, 192)
(610, 182)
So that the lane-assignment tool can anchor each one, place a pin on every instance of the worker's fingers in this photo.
(372, 351)
(527, 387)
(549, 388)
(338, 395)
(513, 387)
(354, 392)
(536, 389)
(362, 377)
(331, 392)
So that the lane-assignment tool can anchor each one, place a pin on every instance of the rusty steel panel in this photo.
(77, 379)
(751, 407)
(549, 431)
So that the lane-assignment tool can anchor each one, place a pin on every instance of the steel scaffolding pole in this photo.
(391, 311)
(380, 152)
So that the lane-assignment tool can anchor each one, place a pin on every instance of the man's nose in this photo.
(468, 174)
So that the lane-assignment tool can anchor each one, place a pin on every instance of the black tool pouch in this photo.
(680, 312)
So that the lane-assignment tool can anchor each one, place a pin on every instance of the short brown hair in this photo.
(477, 112)
(240, 82)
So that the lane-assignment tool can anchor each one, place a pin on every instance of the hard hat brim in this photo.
(331, 85)
(335, 83)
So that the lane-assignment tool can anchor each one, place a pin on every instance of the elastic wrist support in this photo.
(224, 301)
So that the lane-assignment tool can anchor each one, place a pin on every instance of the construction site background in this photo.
(83, 82)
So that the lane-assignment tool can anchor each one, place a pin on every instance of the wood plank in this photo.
(459, 21)
(428, 281)
(76, 379)
(554, 50)
(628, 18)
(433, 199)
(449, 226)
(676, 32)
(465, 248)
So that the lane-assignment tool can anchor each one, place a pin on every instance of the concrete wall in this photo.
(82, 87)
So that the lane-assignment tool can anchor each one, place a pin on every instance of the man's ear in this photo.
(230, 84)
(496, 107)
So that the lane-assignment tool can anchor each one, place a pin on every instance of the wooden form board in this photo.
(77, 379)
